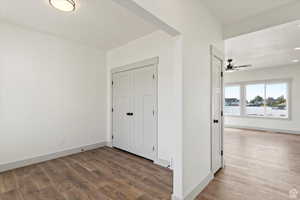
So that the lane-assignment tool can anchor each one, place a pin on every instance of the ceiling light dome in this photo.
(63, 5)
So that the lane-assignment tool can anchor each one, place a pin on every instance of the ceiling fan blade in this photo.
(229, 69)
(242, 66)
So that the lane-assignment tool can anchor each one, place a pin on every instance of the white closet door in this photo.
(122, 101)
(144, 102)
(134, 116)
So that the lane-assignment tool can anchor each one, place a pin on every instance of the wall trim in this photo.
(163, 163)
(176, 198)
(51, 156)
(197, 190)
(109, 144)
(264, 129)
(136, 65)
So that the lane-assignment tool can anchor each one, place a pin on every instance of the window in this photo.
(258, 99)
(232, 104)
(255, 101)
(276, 100)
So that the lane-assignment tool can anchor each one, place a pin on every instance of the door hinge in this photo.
(222, 74)
(153, 76)
(112, 83)
(112, 137)
(153, 148)
(222, 152)
(112, 110)
(222, 113)
(153, 112)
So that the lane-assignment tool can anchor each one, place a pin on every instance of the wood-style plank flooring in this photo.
(259, 166)
(102, 174)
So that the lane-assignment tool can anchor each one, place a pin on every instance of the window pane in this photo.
(255, 100)
(276, 100)
(232, 101)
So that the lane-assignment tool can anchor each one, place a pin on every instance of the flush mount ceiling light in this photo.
(297, 48)
(63, 5)
(295, 61)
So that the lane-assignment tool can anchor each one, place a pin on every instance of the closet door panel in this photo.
(144, 105)
(134, 116)
(122, 102)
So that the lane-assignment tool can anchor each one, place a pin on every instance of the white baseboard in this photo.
(197, 190)
(264, 129)
(176, 198)
(43, 158)
(163, 163)
(109, 144)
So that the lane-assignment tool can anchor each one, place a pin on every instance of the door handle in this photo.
(129, 114)
(216, 121)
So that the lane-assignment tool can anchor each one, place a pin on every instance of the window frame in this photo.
(243, 85)
(241, 100)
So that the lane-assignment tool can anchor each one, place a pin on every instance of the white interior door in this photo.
(217, 118)
(144, 112)
(134, 116)
(122, 86)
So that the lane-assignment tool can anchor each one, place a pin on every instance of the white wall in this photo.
(281, 15)
(198, 30)
(286, 72)
(162, 45)
(52, 94)
(202, 31)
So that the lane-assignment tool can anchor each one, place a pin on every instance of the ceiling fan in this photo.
(232, 67)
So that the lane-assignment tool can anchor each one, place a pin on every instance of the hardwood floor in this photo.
(259, 166)
(102, 174)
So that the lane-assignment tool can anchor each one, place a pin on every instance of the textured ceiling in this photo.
(267, 48)
(232, 11)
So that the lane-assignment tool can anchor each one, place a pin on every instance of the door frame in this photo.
(138, 65)
(215, 53)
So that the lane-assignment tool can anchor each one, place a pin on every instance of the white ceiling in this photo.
(232, 11)
(266, 48)
(100, 23)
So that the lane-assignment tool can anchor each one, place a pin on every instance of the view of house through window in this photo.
(232, 104)
(255, 100)
(261, 99)
(276, 100)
